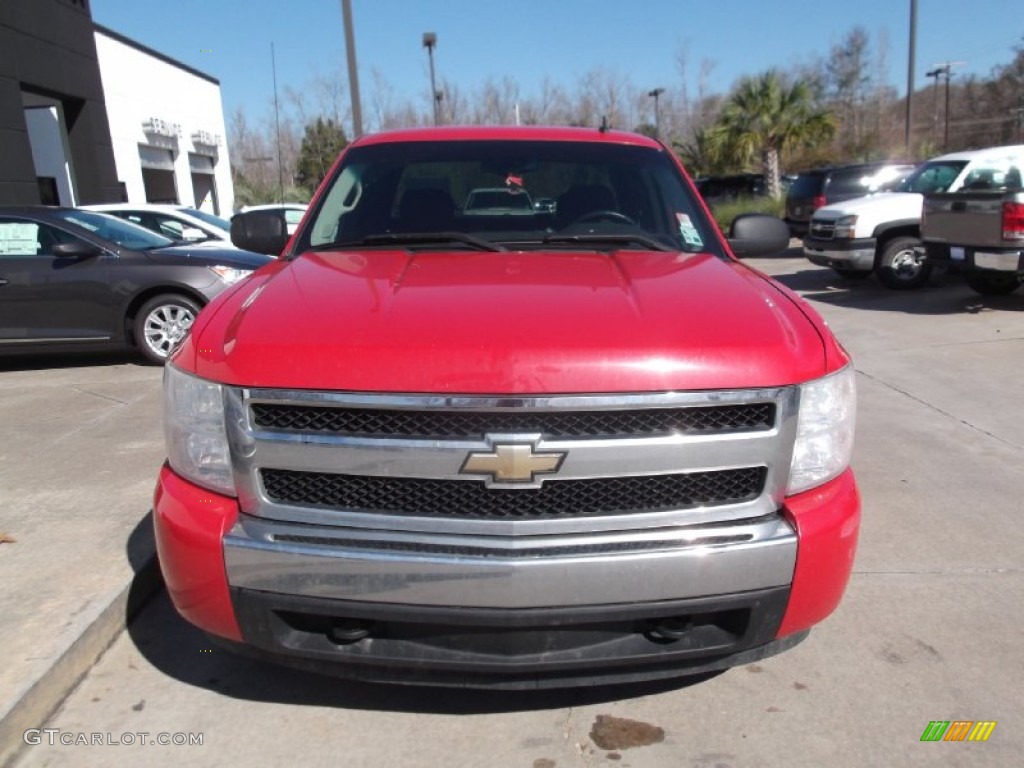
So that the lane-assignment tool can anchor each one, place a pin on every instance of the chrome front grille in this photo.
(823, 230)
(453, 499)
(446, 424)
(397, 463)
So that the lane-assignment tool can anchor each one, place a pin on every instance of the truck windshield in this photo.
(519, 194)
(932, 177)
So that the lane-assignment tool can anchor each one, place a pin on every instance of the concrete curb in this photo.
(41, 698)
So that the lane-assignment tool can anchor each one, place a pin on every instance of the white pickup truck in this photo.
(882, 232)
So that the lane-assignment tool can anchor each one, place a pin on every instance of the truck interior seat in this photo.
(430, 210)
(583, 199)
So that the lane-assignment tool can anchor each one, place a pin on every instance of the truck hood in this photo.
(889, 206)
(515, 323)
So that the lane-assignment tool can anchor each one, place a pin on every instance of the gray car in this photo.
(73, 279)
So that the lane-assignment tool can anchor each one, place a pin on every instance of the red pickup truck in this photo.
(585, 443)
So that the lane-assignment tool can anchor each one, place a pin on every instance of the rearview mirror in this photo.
(260, 231)
(758, 234)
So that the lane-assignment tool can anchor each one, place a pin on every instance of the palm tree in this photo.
(762, 117)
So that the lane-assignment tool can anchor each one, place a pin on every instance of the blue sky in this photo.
(559, 39)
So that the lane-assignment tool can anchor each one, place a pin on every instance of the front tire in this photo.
(993, 285)
(161, 324)
(899, 267)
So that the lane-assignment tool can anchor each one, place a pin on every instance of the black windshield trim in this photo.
(619, 239)
(415, 238)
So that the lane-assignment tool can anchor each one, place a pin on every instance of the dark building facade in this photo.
(55, 144)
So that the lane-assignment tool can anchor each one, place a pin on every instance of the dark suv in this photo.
(823, 186)
(724, 189)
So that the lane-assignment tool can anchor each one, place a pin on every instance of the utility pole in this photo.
(655, 93)
(353, 73)
(910, 74)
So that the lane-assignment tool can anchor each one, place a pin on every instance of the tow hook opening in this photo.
(671, 629)
(348, 631)
(703, 628)
(340, 630)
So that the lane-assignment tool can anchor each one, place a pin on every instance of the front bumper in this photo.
(855, 254)
(542, 615)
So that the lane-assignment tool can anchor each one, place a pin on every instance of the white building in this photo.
(166, 127)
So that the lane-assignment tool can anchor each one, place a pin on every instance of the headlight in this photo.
(845, 225)
(197, 444)
(229, 274)
(824, 433)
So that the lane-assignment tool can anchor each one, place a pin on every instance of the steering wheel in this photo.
(604, 214)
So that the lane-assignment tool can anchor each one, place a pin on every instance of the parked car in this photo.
(75, 279)
(499, 201)
(819, 187)
(293, 212)
(178, 222)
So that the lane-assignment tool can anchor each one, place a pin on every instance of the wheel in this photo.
(900, 267)
(852, 274)
(993, 285)
(598, 215)
(161, 323)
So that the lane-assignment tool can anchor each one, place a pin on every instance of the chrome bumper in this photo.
(859, 258)
(510, 572)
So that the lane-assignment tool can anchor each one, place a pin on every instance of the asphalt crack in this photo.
(947, 414)
(108, 398)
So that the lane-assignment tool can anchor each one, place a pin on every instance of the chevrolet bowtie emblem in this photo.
(512, 463)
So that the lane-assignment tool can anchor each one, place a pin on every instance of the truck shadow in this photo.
(42, 361)
(944, 294)
(182, 652)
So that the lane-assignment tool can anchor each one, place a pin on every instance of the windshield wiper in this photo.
(623, 239)
(418, 238)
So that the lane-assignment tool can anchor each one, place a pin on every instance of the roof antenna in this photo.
(604, 124)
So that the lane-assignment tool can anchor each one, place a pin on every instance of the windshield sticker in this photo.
(18, 239)
(689, 232)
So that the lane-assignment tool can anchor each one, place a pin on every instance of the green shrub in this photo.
(725, 212)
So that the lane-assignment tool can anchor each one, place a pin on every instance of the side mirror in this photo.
(260, 231)
(758, 234)
(192, 234)
(76, 250)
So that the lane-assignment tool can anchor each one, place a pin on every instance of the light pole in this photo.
(654, 94)
(935, 102)
(353, 73)
(430, 42)
(944, 70)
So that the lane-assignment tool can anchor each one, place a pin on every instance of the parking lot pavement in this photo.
(81, 446)
(929, 628)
